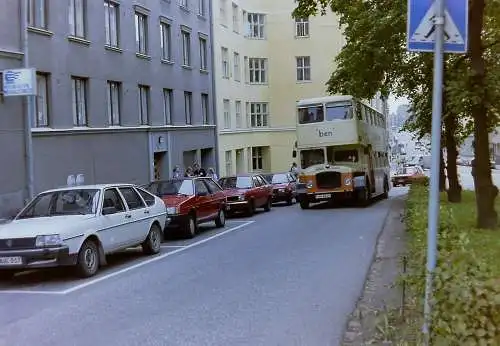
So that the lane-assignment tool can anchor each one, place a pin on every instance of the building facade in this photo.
(124, 91)
(265, 62)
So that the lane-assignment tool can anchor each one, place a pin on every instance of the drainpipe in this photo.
(214, 98)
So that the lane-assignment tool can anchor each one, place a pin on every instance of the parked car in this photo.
(246, 193)
(191, 202)
(78, 226)
(284, 187)
(407, 175)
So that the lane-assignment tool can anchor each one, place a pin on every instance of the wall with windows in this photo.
(105, 68)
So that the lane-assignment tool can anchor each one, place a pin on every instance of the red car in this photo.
(191, 201)
(245, 193)
(284, 187)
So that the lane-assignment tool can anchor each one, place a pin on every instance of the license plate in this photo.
(228, 207)
(11, 260)
(324, 196)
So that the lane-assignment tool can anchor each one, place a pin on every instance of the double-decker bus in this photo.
(343, 145)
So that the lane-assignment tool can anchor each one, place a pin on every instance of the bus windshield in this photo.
(311, 114)
(341, 155)
(338, 111)
(311, 157)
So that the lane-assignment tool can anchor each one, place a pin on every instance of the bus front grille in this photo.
(328, 180)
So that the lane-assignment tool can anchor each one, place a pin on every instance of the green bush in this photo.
(466, 300)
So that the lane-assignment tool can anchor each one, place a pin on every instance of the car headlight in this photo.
(309, 184)
(241, 198)
(172, 210)
(48, 240)
(347, 181)
(281, 190)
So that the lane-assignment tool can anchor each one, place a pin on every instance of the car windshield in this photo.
(268, 177)
(236, 183)
(63, 202)
(172, 187)
(280, 179)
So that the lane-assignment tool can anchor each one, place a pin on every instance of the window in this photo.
(200, 187)
(229, 162)
(37, 13)
(237, 106)
(236, 19)
(143, 104)
(339, 111)
(257, 70)
(212, 186)
(302, 27)
(77, 18)
(227, 114)
(311, 114)
(188, 107)
(147, 197)
(113, 200)
(132, 198)
(201, 8)
(225, 62)
(167, 105)
(237, 66)
(113, 96)
(203, 54)
(184, 3)
(79, 94)
(256, 25)
(257, 161)
(223, 15)
(186, 48)
(42, 99)
(166, 39)
(303, 68)
(258, 114)
(204, 108)
(141, 33)
(111, 15)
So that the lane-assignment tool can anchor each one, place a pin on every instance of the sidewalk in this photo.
(379, 294)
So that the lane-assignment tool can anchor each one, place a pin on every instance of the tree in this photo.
(370, 25)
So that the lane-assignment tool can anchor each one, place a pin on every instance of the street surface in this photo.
(287, 277)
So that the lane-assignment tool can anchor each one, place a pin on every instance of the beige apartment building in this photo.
(265, 61)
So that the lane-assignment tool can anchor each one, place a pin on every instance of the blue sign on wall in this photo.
(20, 82)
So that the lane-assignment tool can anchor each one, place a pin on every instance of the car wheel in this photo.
(268, 205)
(220, 220)
(152, 244)
(251, 208)
(87, 263)
(289, 200)
(190, 227)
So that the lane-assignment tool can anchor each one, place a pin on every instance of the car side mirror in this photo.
(109, 210)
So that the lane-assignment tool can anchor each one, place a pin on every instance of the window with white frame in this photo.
(227, 113)
(205, 109)
(303, 68)
(236, 18)
(256, 23)
(168, 97)
(113, 101)
(77, 18)
(201, 8)
(188, 107)
(257, 69)
(237, 112)
(141, 33)
(257, 158)
(225, 62)
(37, 13)
(237, 66)
(184, 3)
(111, 23)
(166, 41)
(79, 96)
(42, 100)
(259, 113)
(186, 47)
(223, 12)
(143, 99)
(228, 156)
(203, 53)
(302, 27)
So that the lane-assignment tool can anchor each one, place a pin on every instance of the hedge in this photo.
(466, 297)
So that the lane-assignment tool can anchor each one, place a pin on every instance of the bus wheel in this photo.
(304, 204)
(363, 196)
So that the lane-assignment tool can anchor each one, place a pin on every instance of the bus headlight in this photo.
(309, 184)
(347, 181)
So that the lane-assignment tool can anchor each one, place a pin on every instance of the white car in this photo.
(79, 225)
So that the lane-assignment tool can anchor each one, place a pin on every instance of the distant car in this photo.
(78, 226)
(284, 187)
(191, 202)
(246, 193)
(407, 175)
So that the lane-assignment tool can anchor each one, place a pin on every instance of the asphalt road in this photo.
(289, 278)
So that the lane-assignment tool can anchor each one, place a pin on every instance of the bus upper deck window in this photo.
(311, 114)
(339, 111)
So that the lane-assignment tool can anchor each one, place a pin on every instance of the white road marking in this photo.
(172, 246)
(154, 259)
(31, 292)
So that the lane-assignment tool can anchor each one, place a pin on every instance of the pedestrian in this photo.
(196, 169)
(189, 172)
(202, 172)
(176, 173)
(294, 169)
(212, 174)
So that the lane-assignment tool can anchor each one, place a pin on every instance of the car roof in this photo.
(241, 175)
(89, 187)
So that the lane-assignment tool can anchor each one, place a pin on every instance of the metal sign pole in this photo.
(433, 212)
(30, 106)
